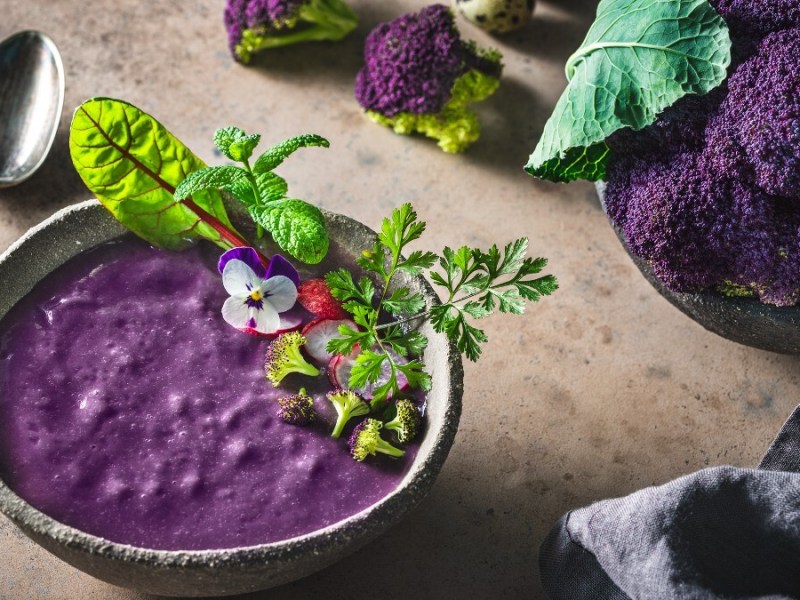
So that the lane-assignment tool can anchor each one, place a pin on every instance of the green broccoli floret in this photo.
(297, 409)
(366, 440)
(347, 405)
(406, 422)
(283, 357)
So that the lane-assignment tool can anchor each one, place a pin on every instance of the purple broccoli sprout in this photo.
(709, 195)
(419, 76)
(411, 63)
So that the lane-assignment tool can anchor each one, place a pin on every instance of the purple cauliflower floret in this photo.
(709, 195)
(254, 25)
(411, 63)
(419, 76)
(751, 20)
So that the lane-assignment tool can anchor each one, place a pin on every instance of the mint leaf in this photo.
(638, 58)
(296, 226)
(133, 165)
(235, 143)
(270, 186)
(278, 153)
(210, 178)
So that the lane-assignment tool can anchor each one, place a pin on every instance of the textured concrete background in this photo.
(599, 390)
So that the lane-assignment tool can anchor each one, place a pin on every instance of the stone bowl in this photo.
(237, 570)
(743, 320)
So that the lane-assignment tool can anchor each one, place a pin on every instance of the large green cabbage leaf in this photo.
(639, 57)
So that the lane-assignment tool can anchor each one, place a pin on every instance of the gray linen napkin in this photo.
(719, 533)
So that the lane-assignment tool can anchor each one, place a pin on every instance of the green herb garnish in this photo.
(296, 226)
(475, 282)
(624, 74)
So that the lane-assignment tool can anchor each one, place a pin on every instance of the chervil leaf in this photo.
(296, 226)
(536, 288)
(367, 368)
(280, 152)
(374, 260)
(402, 301)
(638, 58)
(417, 261)
(343, 287)
(350, 338)
(402, 229)
(414, 371)
(477, 310)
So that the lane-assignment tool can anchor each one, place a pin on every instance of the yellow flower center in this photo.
(255, 295)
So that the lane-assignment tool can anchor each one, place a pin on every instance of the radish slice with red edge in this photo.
(318, 333)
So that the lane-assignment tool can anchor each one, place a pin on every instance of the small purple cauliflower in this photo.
(297, 409)
(709, 195)
(254, 25)
(419, 76)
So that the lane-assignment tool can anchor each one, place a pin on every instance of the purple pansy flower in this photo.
(258, 294)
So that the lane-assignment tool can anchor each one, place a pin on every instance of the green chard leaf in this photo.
(133, 165)
(638, 58)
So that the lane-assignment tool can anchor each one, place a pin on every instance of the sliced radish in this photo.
(339, 373)
(318, 333)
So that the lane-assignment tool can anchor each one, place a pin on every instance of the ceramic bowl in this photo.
(742, 320)
(236, 570)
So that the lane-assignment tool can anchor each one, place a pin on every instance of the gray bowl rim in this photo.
(413, 487)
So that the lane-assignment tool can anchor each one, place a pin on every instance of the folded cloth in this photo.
(719, 533)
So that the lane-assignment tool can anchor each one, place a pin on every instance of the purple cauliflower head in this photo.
(709, 195)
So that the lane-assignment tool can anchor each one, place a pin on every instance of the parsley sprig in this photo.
(475, 284)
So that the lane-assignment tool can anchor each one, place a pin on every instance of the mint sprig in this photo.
(475, 284)
(296, 226)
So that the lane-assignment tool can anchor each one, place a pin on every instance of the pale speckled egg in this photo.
(496, 16)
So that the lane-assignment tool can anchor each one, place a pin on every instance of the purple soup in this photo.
(130, 410)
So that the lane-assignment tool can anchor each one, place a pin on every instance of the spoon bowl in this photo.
(31, 98)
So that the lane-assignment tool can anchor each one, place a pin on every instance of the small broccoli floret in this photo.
(420, 76)
(283, 357)
(406, 422)
(347, 405)
(297, 409)
(366, 440)
(254, 25)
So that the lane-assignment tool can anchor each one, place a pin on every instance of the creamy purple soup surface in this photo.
(130, 410)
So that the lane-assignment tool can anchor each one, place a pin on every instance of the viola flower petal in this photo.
(280, 292)
(247, 255)
(266, 319)
(238, 278)
(280, 266)
(236, 312)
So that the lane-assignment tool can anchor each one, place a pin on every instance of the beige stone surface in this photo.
(599, 390)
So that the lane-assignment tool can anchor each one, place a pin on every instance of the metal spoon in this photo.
(31, 98)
